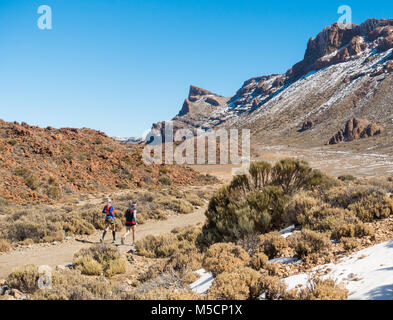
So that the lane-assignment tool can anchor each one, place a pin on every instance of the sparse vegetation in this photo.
(100, 259)
(4, 245)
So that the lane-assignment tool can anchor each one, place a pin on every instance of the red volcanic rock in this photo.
(356, 129)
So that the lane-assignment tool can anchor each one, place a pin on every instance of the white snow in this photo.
(283, 260)
(287, 231)
(368, 274)
(203, 284)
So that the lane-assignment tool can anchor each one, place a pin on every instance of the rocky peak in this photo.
(199, 101)
(197, 92)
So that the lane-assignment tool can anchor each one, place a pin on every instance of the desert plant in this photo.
(4, 245)
(310, 242)
(373, 206)
(246, 284)
(273, 244)
(258, 260)
(100, 258)
(24, 279)
(319, 289)
(222, 257)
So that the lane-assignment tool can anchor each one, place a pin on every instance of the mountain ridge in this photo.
(352, 61)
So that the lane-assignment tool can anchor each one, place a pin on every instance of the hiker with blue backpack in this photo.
(110, 220)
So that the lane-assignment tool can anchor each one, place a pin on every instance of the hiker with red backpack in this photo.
(110, 222)
(131, 222)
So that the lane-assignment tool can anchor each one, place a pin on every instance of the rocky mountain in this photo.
(346, 73)
(46, 164)
(195, 112)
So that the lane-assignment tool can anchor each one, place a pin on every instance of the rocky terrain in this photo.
(45, 164)
(346, 73)
(356, 129)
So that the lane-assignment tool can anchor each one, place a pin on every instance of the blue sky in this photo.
(120, 65)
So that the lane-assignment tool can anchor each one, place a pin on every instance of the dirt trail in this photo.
(62, 253)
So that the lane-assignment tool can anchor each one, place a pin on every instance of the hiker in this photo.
(131, 222)
(110, 222)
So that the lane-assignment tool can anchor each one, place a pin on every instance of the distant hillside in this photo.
(38, 164)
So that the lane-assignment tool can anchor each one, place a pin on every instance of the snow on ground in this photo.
(287, 231)
(203, 284)
(368, 274)
(283, 260)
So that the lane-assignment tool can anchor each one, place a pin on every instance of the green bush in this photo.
(256, 202)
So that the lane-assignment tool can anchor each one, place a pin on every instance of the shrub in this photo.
(344, 196)
(298, 208)
(256, 202)
(166, 181)
(293, 175)
(195, 200)
(246, 284)
(40, 227)
(161, 246)
(71, 285)
(323, 290)
(358, 230)
(53, 192)
(28, 177)
(87, 265)
(272, 288)
(373, 206)
(310, 242)
(240, 284)
(231, 215)
(273, 244)
(183, 206)
(107, 257)
(347, 178)
(4, 245)
(117, 266)
(159, 214)
(24, 279)
(258, 260)
(222, 257)
(349, 243)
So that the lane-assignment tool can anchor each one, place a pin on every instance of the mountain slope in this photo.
(39, 164)
(346, 73)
